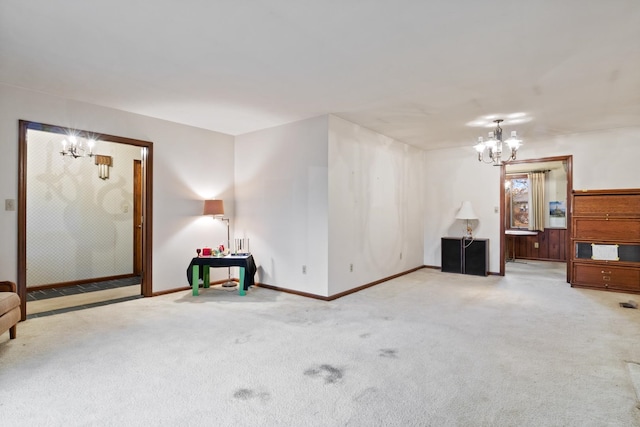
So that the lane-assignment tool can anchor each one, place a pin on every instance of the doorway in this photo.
(506, 212)
(137, 217)
(82, 250)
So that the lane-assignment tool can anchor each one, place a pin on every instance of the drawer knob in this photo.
(605, 272)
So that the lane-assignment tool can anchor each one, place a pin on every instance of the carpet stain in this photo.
(367, 335)
(248, 394)
(244, 394)
(368, 394)
(330, 373)
(388, 352)
(243, 340)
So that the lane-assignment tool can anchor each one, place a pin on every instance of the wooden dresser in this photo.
(605, 240)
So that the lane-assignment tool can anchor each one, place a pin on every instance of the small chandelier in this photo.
(75, 148)
(490, 151)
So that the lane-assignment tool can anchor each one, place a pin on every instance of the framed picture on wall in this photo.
(558, 214)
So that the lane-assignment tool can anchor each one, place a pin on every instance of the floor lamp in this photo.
(215, 208)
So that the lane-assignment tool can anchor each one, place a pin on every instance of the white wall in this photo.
(288, 203)
(375, 206)
(325, 193)
(601, 160)
(281, 203)
(452, 176)
(190, 165)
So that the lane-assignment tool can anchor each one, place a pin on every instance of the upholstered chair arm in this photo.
(8, 287)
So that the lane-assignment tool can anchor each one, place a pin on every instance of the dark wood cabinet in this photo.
(465, 256)
(605, 240)
(451, 255)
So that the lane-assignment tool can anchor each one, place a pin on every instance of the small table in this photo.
(244, 261)
(512, 235)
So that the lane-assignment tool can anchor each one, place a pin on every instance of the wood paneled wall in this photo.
(552, 245)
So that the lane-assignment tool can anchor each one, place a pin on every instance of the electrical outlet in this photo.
(536, 245)
(9, 204)
(496, 209)
(351, 268)
(304, 269)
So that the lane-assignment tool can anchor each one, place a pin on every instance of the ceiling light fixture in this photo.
(490, 151)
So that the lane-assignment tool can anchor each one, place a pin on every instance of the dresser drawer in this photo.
(602, 229)
(606, 276)
(606, 204)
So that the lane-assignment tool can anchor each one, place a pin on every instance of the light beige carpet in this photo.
(425, 349)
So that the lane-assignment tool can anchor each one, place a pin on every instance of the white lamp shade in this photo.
(466, 211)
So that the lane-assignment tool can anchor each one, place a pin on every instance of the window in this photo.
(517, 192)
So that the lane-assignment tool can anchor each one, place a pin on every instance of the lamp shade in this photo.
(213, 207)
(466, 211)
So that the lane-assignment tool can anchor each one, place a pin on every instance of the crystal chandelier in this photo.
(490, 151)
(75, 148)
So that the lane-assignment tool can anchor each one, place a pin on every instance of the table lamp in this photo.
(466, 212)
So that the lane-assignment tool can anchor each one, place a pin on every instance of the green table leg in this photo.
(195, 277)
(205, 276)
(241, 290)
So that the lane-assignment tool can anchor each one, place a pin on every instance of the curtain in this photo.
(536, 194)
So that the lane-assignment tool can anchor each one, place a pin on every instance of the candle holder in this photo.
(242, 246)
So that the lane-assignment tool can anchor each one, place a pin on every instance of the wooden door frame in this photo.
(503, 174)
(147, 201)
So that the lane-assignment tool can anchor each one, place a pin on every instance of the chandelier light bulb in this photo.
(480, 145)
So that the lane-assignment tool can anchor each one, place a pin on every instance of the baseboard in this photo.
(307, 294)
(170, 291)
(292, 291)
(437, 267)
(341, 294)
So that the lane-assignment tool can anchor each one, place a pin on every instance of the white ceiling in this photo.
(416, 70)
